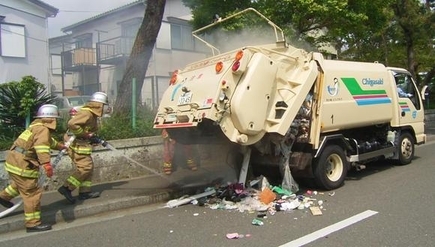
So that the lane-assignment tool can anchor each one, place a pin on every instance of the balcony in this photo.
(115, 51)
(79, 59)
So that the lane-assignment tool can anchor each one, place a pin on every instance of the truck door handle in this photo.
(403, 113)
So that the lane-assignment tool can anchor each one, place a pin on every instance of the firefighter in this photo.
(83, 125)
(168, 154)
(30, 151)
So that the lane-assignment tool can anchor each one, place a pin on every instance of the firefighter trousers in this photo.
(82, 176)
(31, 195)
(169, 149)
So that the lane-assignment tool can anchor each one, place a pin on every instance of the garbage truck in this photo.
(281, 105)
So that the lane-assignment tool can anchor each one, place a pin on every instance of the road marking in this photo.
(329, 229)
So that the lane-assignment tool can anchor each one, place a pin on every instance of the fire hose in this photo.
(98, 140)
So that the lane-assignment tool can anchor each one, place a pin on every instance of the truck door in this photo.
(410, 103)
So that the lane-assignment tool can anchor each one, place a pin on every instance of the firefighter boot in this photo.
(67, 194)
(167, 168)
(6, 204)
(191, 164)
(39, 228)
(88, 195)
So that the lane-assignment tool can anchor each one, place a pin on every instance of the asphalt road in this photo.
(383, 205)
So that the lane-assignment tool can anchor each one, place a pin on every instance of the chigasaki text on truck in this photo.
(283, 105)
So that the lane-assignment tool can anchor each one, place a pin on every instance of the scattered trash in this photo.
(267, 196)
(257, 222)
(315, 211)
(183, 200)
(281, 191)
(285, 206)
(265, 201)
(234, 235)
(263, 183)
(262, 215)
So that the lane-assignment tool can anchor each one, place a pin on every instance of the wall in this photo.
(36, 62)
(112, 165)
(429, 118)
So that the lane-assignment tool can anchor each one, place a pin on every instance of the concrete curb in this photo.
(80, 211)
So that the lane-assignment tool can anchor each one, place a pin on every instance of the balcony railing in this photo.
(79, 57)
(115, 50)
(88, 89)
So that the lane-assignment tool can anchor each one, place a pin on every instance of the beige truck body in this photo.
(325, 115)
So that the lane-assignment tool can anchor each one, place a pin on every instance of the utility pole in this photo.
(98, 54)
(62, 63)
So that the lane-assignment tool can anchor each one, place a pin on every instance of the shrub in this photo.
(19, 102)
(119, 126)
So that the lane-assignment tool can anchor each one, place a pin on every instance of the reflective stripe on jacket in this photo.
(28, 173)
(36, 142)
(84, 122)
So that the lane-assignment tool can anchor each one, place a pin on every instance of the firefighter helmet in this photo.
(48, 111)
(99, 97)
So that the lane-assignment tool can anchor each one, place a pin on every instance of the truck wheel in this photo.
(406, 148)
(330, 169)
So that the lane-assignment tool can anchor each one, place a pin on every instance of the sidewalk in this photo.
(122, 194)
(128, 193)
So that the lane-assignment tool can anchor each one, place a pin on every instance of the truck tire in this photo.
(330, 168)
(406, 148)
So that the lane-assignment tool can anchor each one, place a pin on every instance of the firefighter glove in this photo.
(48, 169)
(88, 135)
(95, 140)
(61, 146)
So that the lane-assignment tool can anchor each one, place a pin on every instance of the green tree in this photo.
(204, 11)
(413, 24)
(363, 37)
(141, 52)
(304, 22)
(394, 32)
(19, 100)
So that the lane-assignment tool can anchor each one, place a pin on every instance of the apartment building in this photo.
(95, 51)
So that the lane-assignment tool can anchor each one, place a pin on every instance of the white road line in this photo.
(329, 229)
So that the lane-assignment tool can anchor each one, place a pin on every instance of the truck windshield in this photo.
(407, 89)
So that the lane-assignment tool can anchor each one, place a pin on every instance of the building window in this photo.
(181, 37)
(56, 64)
(84, 41)
(164, 38)
(131, 30)
(12, 40)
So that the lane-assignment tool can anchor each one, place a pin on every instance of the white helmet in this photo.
(48, 111)
(99, 97)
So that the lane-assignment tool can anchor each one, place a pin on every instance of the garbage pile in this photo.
(265, 200)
